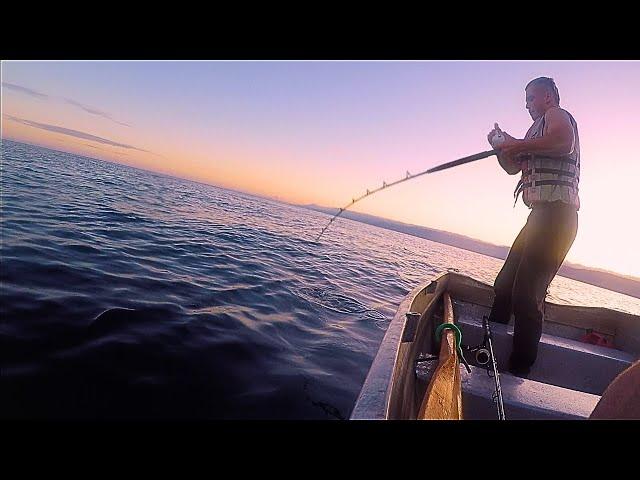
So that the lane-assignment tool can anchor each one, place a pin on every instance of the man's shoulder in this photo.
(558, 113)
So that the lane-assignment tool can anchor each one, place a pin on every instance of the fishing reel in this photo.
(483, 351)
(482, 354)
(483, 357)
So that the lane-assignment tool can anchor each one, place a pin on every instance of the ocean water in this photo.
(131, 295)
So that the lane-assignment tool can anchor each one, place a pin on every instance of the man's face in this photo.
(537, 99)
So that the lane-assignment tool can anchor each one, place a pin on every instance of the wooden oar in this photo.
(443, 400)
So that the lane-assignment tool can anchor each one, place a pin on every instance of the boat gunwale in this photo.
(381, 375)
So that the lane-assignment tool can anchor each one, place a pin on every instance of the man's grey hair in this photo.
(548, 84)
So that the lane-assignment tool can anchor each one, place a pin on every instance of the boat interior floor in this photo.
(566, 381)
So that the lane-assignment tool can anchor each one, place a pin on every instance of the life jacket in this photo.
(549, 179)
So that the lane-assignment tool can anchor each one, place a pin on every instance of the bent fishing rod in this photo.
(409, 176)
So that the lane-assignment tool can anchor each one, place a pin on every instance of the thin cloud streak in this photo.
(93, 111)
(70, 101)
(68, 142)
(75, 133)
(28, 91)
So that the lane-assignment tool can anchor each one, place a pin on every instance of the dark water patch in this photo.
(326, 407)
(81, 248)
(337, 302)
(126, 319)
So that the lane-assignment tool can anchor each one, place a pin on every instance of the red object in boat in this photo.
(596, 339)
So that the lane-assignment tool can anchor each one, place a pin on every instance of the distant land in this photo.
(600, 278)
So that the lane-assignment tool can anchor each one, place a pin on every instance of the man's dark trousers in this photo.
(521, 285)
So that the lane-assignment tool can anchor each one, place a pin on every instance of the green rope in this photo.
(454, 327)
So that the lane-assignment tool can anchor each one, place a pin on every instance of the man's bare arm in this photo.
(557, 140)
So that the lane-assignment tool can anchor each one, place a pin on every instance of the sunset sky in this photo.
(323, 132)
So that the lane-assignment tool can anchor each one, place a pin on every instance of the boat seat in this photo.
(562, 362)
(522, 398)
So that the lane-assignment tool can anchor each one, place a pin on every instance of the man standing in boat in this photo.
(549, 159)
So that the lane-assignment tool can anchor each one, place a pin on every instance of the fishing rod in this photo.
(409, 176)
(484, 355)
(496, 375)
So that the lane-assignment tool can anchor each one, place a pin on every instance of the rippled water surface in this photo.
(128, 294)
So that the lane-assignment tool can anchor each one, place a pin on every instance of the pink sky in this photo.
(324, 132)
